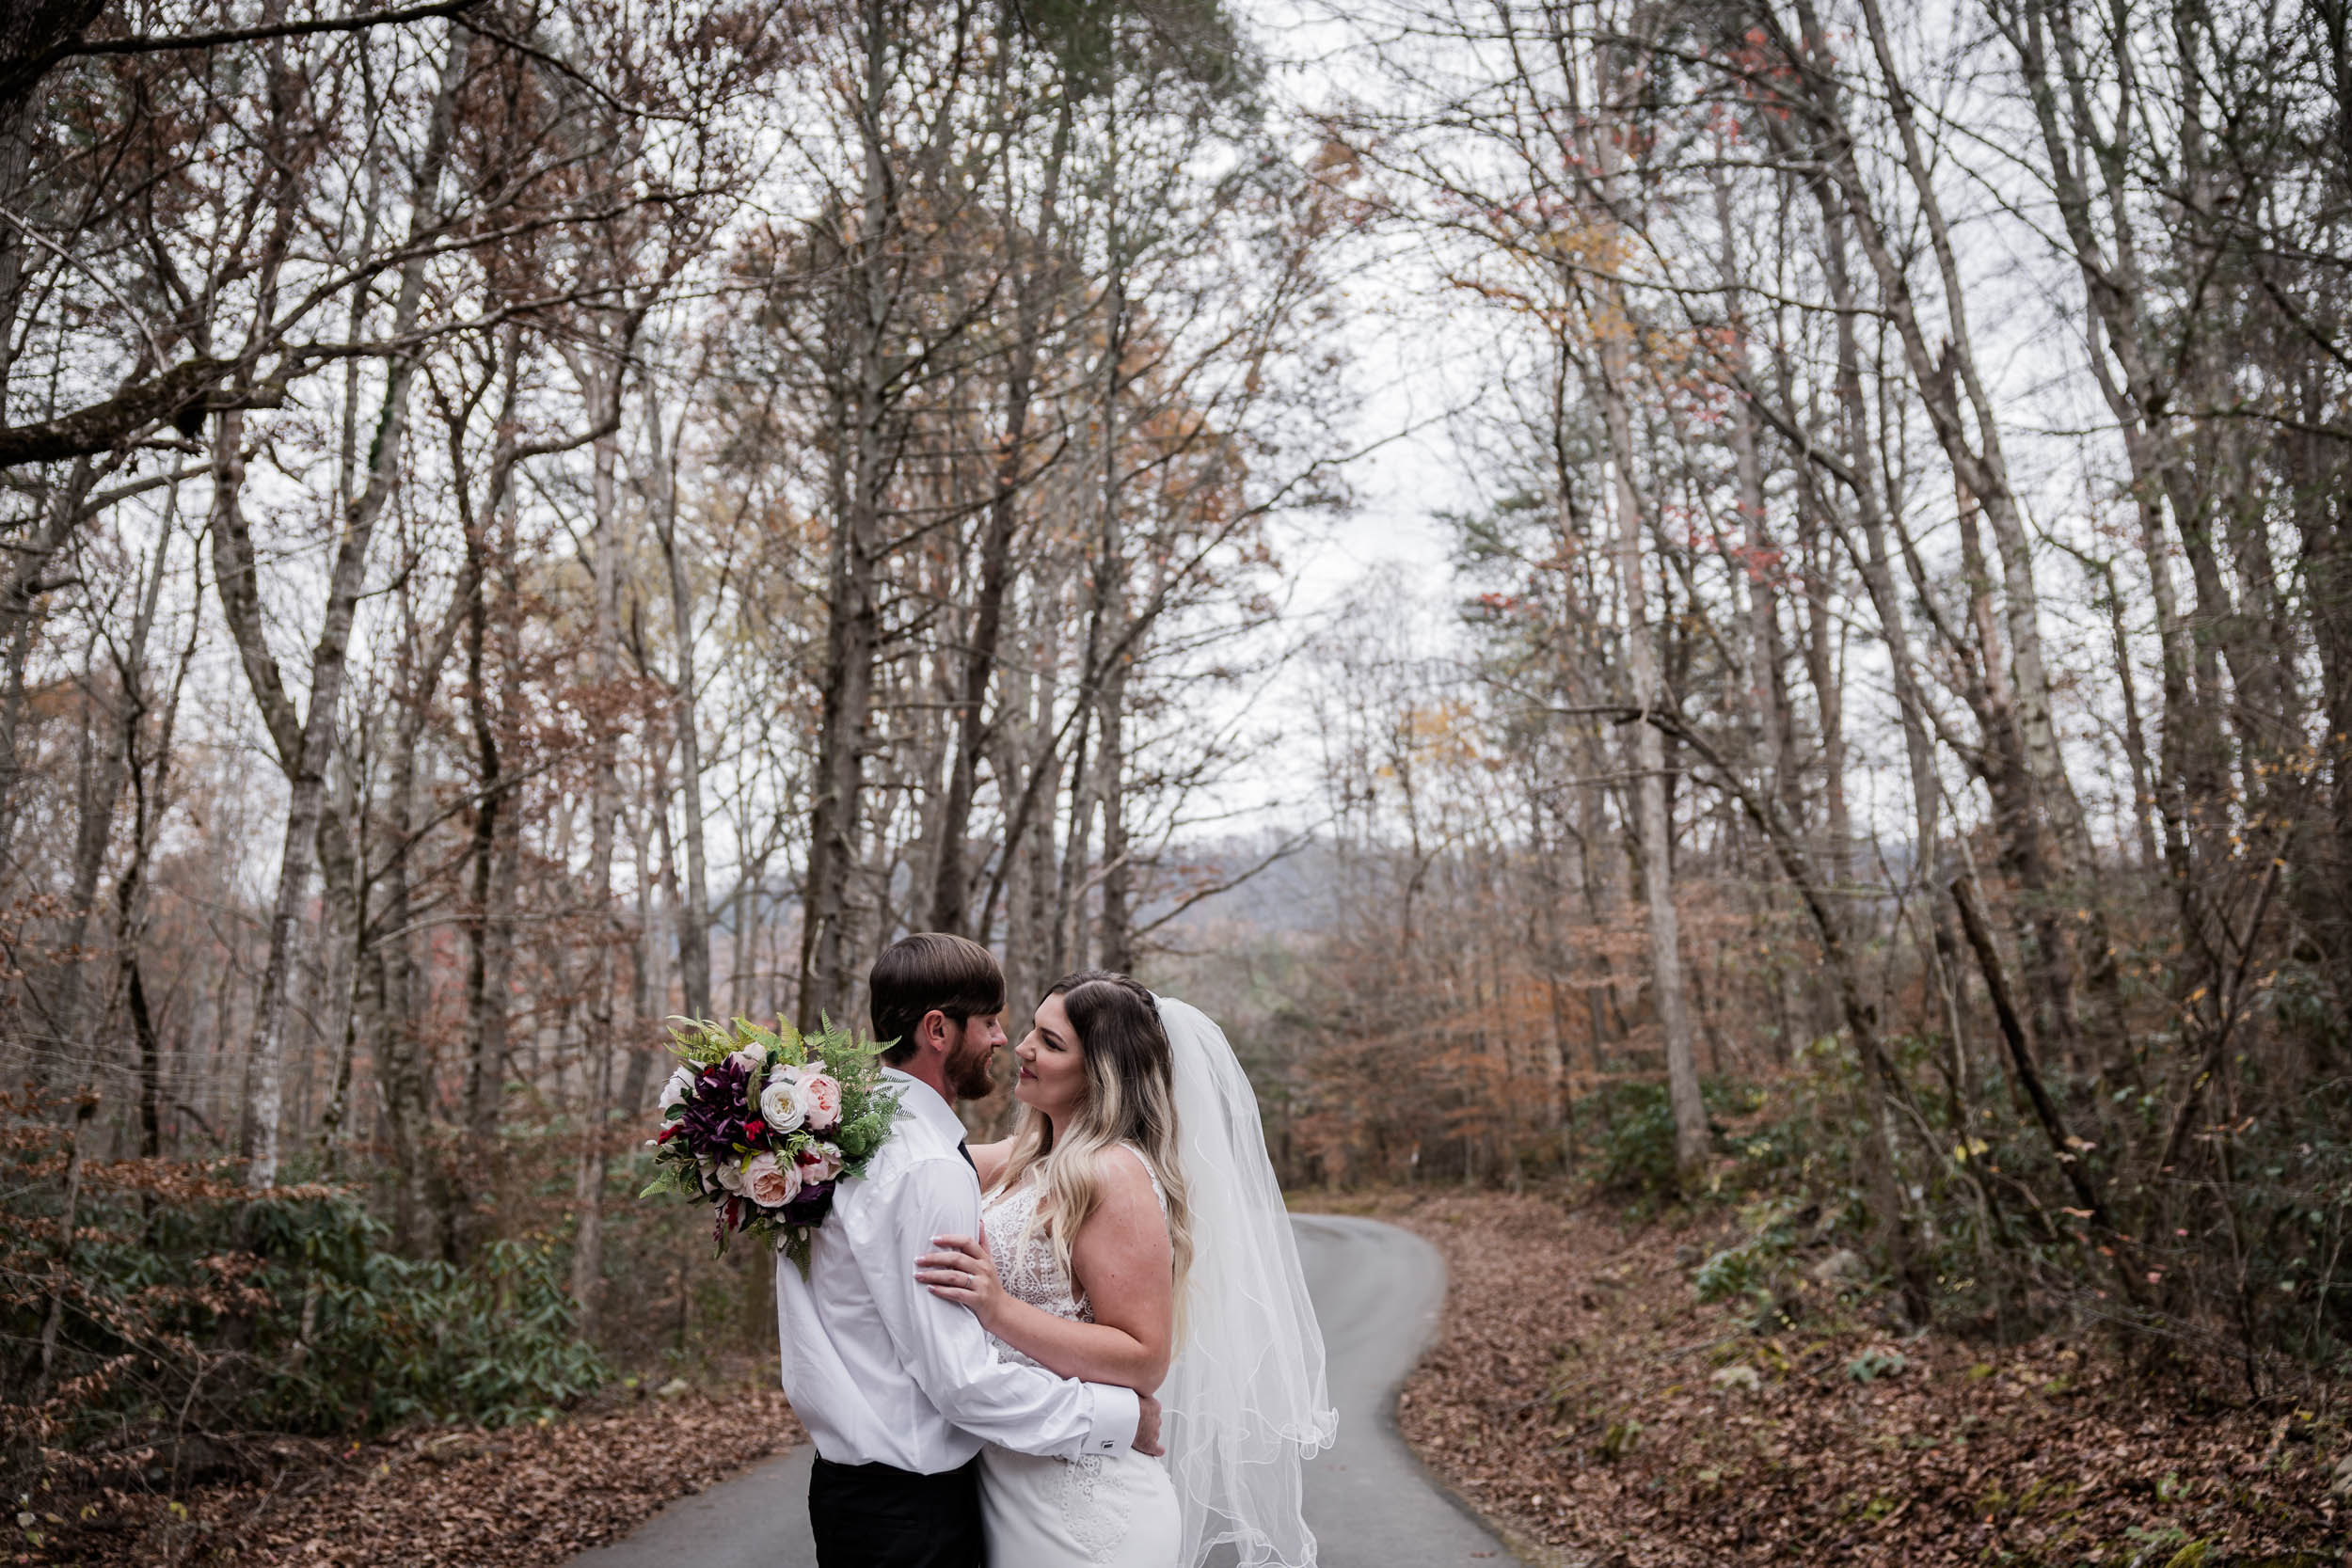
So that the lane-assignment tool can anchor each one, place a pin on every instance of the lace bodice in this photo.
(1024, 1253)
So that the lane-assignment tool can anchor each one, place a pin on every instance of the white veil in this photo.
(1244, 1402)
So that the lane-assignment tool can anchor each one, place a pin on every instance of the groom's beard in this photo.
(966, 1068)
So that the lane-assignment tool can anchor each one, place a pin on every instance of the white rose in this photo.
(782, 1103)
(730, 1175)
(681, 1084)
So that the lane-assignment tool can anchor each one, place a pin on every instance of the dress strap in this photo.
(1148, 1170)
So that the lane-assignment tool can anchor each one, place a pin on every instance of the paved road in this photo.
(1376, 1289)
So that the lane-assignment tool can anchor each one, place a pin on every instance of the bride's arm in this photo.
(1123, 1264)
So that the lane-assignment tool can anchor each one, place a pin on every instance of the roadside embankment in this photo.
(1581, 1396)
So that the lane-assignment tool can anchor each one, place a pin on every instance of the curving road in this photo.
(1376, 1289)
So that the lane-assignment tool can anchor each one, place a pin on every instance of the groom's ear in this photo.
(930, 1030)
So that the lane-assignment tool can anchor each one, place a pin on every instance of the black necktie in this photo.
(963, 1147)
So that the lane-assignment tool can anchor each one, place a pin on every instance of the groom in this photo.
(897, 1387)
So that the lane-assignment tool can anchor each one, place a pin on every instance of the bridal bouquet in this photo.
(761, 1123)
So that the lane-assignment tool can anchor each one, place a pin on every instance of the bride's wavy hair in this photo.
(1130, 1097)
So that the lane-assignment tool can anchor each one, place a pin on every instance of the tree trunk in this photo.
(1115, 945)
(147, 795)
(390, 988)
(78, 1156)
(1612, 325)
(303, 747)
(864, 458)
(608, 375)
(345, 908)
(693, 910)
(1768, 680)
(587, 1280)
(951, 889)
(493, 852)
(1822, 661)
(25, 583)
(1107, 629)
(2324, 892)
(105, 760)
(1882, 1085)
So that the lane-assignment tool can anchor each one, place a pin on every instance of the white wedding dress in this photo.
(1094, 1512)
(1244, 1406)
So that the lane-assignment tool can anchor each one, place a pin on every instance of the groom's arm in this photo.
(947, 1353)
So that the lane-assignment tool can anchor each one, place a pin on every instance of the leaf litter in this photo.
(1584, 1400)
(1578, 1394)
(524, 1496)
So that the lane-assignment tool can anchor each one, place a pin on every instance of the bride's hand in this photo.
(963, 1272)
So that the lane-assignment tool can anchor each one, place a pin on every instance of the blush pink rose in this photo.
(819, 1161)
(769, 1183)
(822, 1093)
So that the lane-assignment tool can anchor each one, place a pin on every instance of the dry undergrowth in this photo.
(522, 1497)
(1578, 1394)
(1583, 1399)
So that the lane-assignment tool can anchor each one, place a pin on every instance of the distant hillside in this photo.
(1292, 894)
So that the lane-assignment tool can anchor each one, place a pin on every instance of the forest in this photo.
(526, 520)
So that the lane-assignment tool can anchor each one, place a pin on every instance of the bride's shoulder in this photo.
(987, 1161)
(1123, 1177)
(1128, 1226)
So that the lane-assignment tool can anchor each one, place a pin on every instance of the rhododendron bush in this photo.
(193, 1311)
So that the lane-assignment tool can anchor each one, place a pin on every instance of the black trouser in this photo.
(880, 1516)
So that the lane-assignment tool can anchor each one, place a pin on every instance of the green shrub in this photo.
(1751, 1269)
(1731, 1274)
(192, 1308)
(1874, 1364)
(1636, 1141)
(394, 1340)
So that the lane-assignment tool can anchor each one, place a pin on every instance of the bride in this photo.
(1134, 1235)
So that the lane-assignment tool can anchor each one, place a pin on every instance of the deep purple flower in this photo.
(811, 1207)
(712, 1122)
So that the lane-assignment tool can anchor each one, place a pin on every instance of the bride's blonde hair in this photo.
(1130, 1097)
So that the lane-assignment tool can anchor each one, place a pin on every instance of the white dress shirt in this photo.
(882, 1372)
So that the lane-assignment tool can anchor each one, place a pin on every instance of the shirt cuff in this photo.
(1117, 1414)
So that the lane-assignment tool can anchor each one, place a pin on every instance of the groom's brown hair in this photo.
(926, 972)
